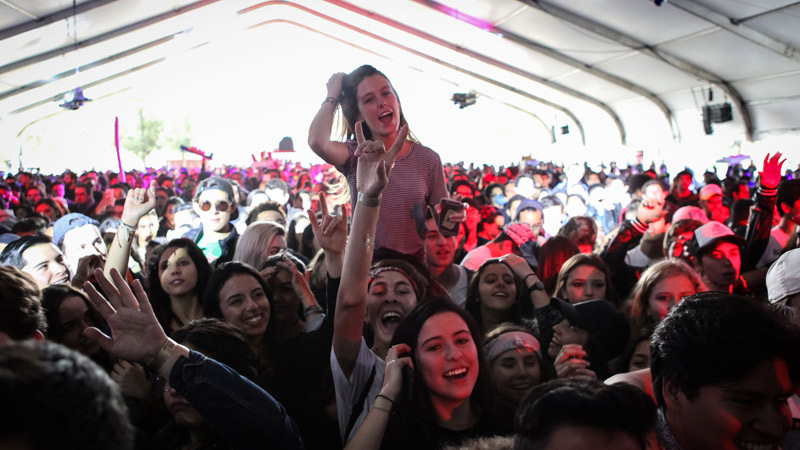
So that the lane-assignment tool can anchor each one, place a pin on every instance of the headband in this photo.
(521, 341)
(375, 272)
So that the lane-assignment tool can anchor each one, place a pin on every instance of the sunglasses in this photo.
(221, 206)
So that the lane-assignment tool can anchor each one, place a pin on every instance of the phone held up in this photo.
(446, 226)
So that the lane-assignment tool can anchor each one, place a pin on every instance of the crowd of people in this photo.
(384, 300)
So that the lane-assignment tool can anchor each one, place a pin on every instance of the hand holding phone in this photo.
(446, 226)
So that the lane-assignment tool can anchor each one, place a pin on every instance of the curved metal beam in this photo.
(723, 21)
(633, 43)
(50, 18)
(486, 59)
(483, 78)
(563, 58)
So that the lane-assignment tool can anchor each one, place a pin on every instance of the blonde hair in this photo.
(253, 245)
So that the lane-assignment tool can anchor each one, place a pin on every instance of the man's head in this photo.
(723, 368)
(83, 194)
(48, 387)
(529, 212)
(439, 249)
(214, 201)
(39, 257)
(78, 236)
(789, 200)
(711, 202)
(21, 313)
(571, 413)
(717, 252)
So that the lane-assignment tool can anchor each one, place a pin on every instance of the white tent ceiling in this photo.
(617, 71)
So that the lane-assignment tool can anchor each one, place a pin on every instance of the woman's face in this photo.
(641, 356)
(447, 357)
(277, 245)
(390, 298)
(496, 288)
(666, 294)
(73, 315)
(284, 299)
(177, 272)
(378, 106)
(563, 334)
(493, 227)
(244, 305)
(514, 373)
(585, 283)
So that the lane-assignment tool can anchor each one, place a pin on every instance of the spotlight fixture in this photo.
(464, 100)
(74, 99)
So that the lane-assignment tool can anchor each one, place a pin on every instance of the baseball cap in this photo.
(68, 223)
(690, 212)
(783, 278)
(600, 319)
(710, 190)
(711, 233)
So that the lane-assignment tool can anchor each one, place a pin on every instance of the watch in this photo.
(538, 286)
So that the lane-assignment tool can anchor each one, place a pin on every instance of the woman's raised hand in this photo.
(138, 203)
(331, 231)
(335, 85)
(393, 378)
(375, 162)
(137, 335)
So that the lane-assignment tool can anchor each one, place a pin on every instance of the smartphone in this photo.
(446, 226)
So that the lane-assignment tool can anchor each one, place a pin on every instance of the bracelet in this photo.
(532, 274)
(370, 202)
(162, 355)
(314, 309)
(383, 403)
(333, 101)
(127, 227)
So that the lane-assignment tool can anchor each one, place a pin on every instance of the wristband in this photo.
(532, 274)
(368, 201)
(127, 227)
(383, 403)
(332, 101)
(315, 309)
(162, 356)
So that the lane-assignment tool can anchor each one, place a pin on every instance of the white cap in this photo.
(783, 277)
(690, 212)
(711, 233)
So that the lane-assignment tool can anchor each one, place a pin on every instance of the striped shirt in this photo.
(416, 181)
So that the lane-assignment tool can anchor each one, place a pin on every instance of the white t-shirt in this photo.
(348, 390)
(459, 291)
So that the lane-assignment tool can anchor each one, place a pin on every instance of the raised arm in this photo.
(374, 166)
(138, 203)
(213, 389)
(319, 134)
(331, 234)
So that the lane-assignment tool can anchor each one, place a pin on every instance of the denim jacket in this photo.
(243, 414)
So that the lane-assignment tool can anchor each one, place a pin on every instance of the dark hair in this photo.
(45, 386)
(788, 193)
(269, 205)
(220, 341)
(53, 296)
(582, 230)
(590, 403)
(583, 259)
(552, 256)
(215, 183)
(35, 223)
(53, 205)
(158, 297)
(220, 276)
(349, 102)
(21, 313)
(408, 333)
(678, 228)
(714, 337)
(521, 308)
(12, 254)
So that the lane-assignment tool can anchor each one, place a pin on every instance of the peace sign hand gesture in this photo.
(375, 163)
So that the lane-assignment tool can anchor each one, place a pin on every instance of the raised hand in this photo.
(86, 267)
(331, 232)
(375, 163)
(770, 175)
(138, 203)
(334, 85)
(396, 358)
(650, 210)
(137, 335)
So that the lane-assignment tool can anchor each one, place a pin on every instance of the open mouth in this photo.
(386, 117)
(456, 374)
(254, 320)
(391, 318)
